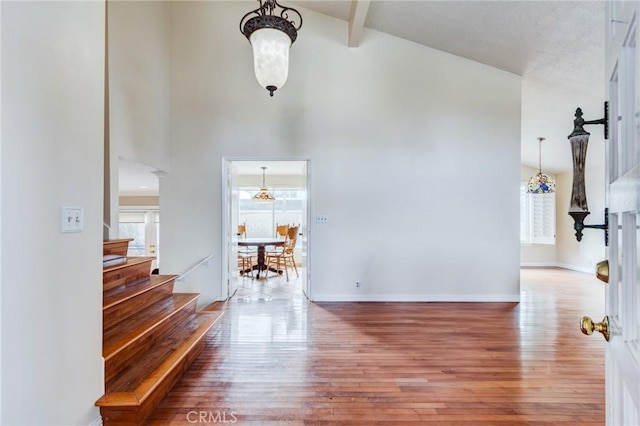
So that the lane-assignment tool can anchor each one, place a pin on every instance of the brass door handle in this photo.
(588, 326)
(602, 271)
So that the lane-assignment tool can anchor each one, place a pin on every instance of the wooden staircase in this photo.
(150, 335)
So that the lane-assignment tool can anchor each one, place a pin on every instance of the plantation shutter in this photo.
(543, 218)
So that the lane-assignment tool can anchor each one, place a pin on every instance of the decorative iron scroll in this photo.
(288, 20)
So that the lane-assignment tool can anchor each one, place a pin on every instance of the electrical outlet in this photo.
(358, 284)
(322, 218)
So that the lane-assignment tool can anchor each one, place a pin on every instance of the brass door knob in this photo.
(602, 271)
(588, 326)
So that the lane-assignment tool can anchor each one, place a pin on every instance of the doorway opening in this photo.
(138, 209)
(247, 221)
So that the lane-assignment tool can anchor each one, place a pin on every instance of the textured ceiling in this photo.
(556, 46)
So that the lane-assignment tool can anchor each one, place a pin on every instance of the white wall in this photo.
(412, 156)
(138, 87)
(537, 254)
(52, 156)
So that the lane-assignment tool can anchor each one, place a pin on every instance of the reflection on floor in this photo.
(294, 362)
(274, 287)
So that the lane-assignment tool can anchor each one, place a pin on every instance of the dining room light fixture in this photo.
(541, 183)
(271, 29)
(264, 196)
(579, 140)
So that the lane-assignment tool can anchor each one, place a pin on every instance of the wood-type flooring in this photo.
(286, 361)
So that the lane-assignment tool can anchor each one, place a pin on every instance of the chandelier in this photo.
(271, 29)
(541, 183)
(264, 196)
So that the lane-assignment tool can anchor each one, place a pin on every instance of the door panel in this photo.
(230, 249)
(623, 193)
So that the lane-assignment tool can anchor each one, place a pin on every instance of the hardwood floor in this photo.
(287, 361)
(275, 287)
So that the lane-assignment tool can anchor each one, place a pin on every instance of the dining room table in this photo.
(261, 244)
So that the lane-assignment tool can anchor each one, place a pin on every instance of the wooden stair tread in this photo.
(124, 292)
(150, 335)
(130, 261)
(107, 243)
(112, 260)
(123, 334)
(134, 384)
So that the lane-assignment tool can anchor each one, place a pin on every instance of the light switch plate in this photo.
(72, 219)
(322, 218)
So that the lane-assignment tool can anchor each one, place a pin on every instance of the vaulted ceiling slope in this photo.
(556, 46)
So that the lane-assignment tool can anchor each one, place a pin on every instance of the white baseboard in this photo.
(558, 265)
(416, 298)
(97, 421)
(591, 271)
(538, 265)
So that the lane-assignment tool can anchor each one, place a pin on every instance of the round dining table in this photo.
(261, 243)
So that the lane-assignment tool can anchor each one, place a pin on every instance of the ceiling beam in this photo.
(357, 16)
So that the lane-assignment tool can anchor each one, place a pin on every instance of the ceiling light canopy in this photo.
(541, 183)
(271, 29)
(263, 196)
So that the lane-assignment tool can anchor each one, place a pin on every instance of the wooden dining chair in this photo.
(282, 231)
(245, 263)
(245, 254)
(285, 258)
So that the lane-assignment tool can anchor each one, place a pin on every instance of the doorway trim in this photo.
(226, 225)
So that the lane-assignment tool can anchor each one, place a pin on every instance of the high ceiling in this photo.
(557, 47)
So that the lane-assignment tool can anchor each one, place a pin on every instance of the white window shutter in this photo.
(543, 218)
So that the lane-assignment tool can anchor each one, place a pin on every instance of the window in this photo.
(261, 219)
(143, 225)
(537, 217)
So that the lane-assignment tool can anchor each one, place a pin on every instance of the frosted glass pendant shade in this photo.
(270, 57)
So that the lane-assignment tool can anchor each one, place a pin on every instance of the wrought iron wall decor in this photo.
(579, 140)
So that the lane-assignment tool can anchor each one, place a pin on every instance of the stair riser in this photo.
(120, 360)
(118, 247)
(126, 275)
(120, 416)
(129, 307)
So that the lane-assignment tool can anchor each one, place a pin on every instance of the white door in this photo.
(230, 228)
(622, 359)
(143, 225)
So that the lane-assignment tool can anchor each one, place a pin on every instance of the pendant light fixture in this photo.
(264, 196)
(541, 183)
(271, 32)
